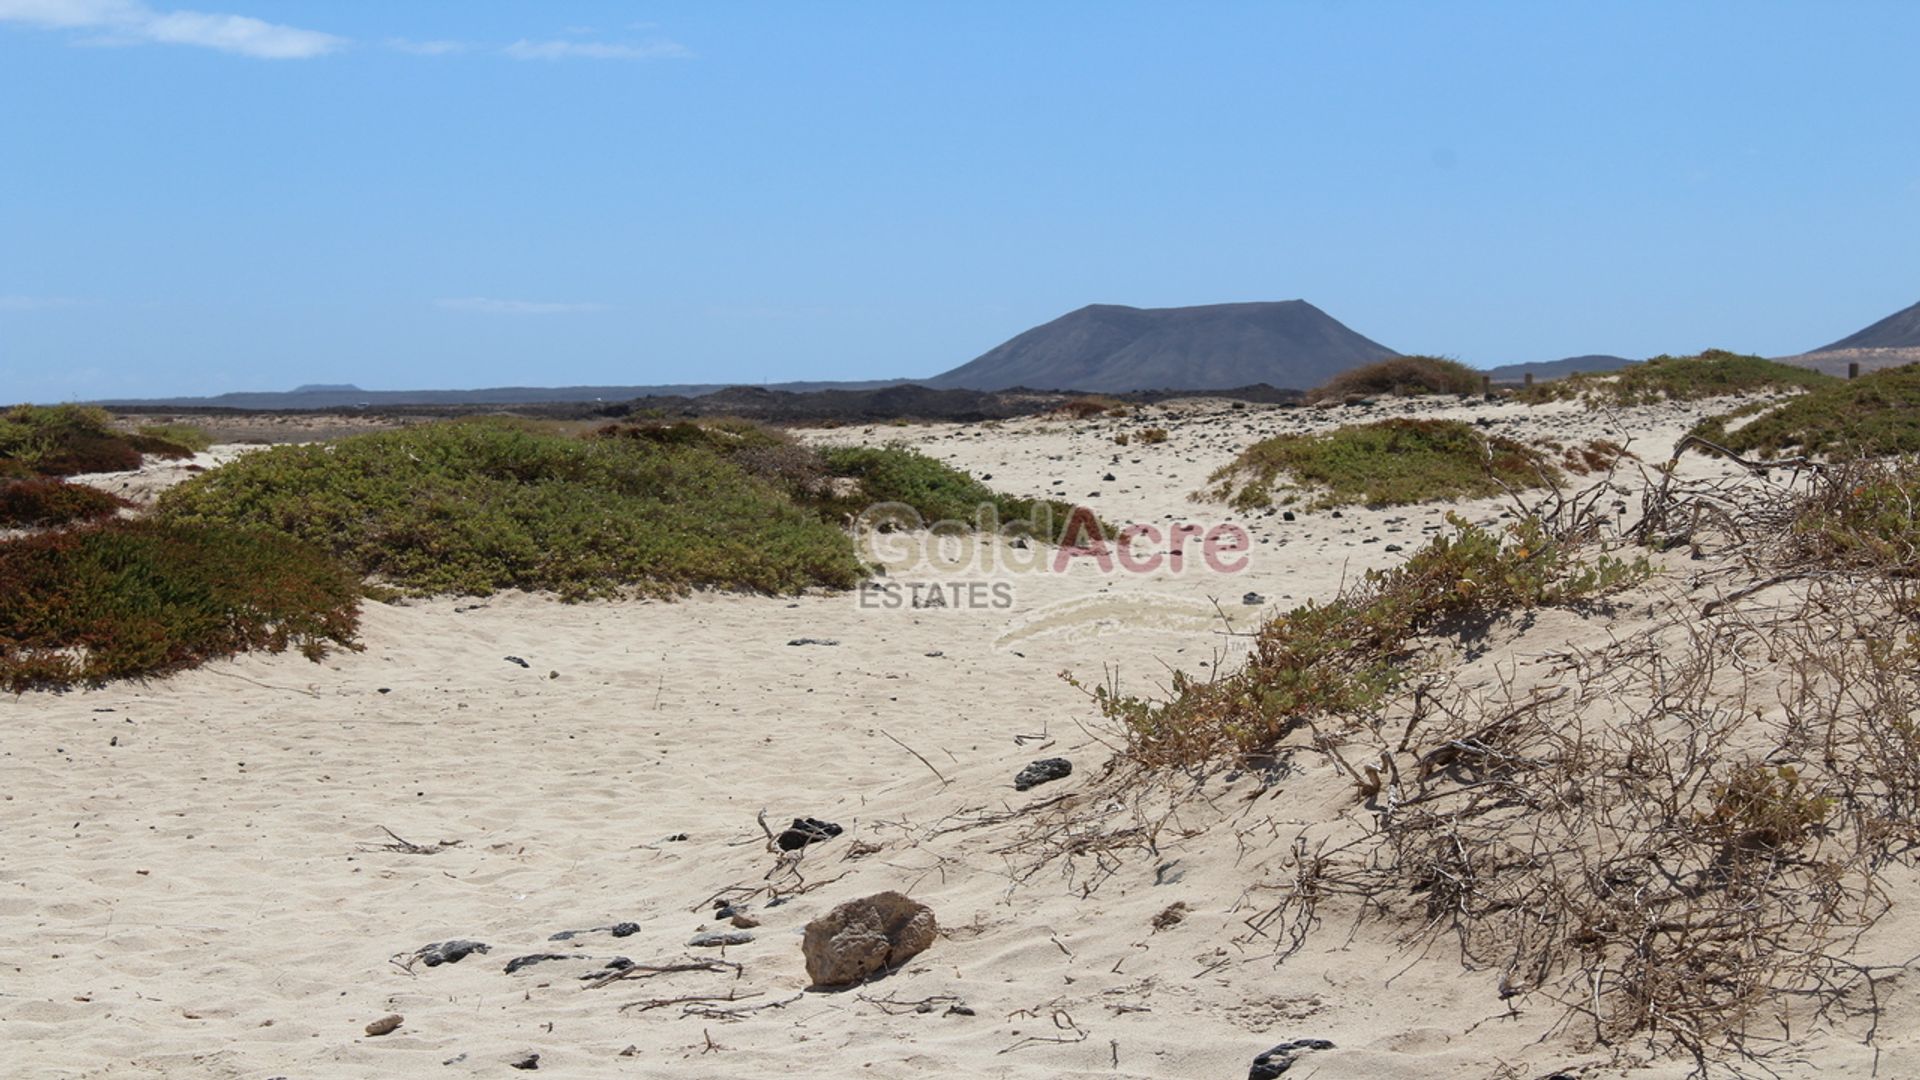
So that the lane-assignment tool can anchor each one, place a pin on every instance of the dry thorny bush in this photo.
(1677, 835)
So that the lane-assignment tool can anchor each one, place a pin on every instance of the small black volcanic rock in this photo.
(1043, 771)
(435, 953)
(806, 831)
(528, 961)
(1270, 1065)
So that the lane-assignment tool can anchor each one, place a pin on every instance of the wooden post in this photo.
(1527, 379)
(1486, 387)
(1853, 369)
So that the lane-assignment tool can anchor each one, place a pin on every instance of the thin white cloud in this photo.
(596, 50)
(487, 305)
(36, 303)
(427, 48)
(129, 22)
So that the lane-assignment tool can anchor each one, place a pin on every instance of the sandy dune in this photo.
(193, 881)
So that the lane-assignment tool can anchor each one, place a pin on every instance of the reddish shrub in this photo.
(139, 598)
(41, 502)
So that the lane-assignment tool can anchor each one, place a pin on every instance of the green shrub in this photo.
(1383, 463)
(1713, 373)
(1402, 376)
(139, 598)
(1343, 658)
(186, 437)
(42, 502)
(936, 491)
(1862, 516)
(1086, 408)
(1874, 414)
(62, 440)
(477, 506)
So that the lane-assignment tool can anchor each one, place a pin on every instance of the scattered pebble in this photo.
(517, 660)
(1043, 771)
(386, 1025)
(806, 831)
(449, 952)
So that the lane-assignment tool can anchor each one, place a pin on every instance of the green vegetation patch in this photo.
(936, 491)
(139, 598)
(1874, 414)
(1402, 376)
(1383, 463)
(66, 440)
(1344, 658)
(50, 501)
(1713, 373)
(183, 436)
(478, 506)
(1863, 516)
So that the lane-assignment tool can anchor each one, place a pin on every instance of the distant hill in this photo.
(1900, 330)
(1113, 349)
(347, 396)
(1554, 369)
(1891, 342)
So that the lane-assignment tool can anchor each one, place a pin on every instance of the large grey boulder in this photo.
(861, 937)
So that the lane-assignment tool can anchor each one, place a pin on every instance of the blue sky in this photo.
(251, 194)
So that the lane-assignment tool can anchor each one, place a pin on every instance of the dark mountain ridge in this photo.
(1113, 348)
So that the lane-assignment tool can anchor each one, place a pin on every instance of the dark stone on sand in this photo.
(624, 929)
(516, 660)
(812, 641)
(1043, 771)
(531, 959)
(1286, 515)
(450, 952)
(718, 940)
(1270, 1065)
(1253, 599)
(526, 1061)
(806, 831)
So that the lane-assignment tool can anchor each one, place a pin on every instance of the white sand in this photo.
(187, 890)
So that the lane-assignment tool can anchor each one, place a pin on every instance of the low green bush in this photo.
(186, 437)
(477, 506)
(1402, 376)
(1383, 463)
(1874, 414)
(1713, 373)
(936, 491)
(1343, 658)
(141, 598)
(50, 501)
(67, 440)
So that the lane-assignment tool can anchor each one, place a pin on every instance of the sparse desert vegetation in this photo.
(1341, 660)
(1402, 376)
(1874, 414)
(1713, 373)
(1655, 835)
(1382, 463)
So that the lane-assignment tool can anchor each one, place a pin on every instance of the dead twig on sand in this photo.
(407, 847)
(648, 971)
(661, 1003)
(943, 780)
